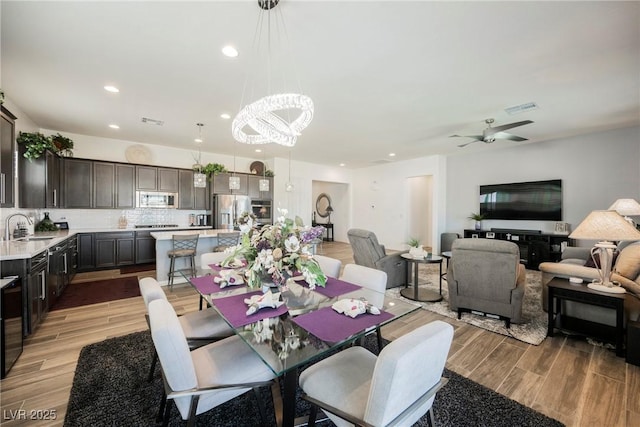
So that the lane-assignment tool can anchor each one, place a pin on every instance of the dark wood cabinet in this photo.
(78, 178)
(114, 249)
(152, 178)
(7, 148)
(125, 186)
(221, 184)
(201, 198)
(39, 180)
(168, 180)
(104, 185)
(186, 191)
(145, 247)
(254, 188)
(86, 259)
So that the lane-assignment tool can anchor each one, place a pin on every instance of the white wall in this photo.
(420, 209)
(595, 170)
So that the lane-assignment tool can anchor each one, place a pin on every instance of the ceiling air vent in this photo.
(152, 121)
(522, 108)
(381, 161)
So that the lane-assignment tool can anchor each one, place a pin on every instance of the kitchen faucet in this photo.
(7, 233)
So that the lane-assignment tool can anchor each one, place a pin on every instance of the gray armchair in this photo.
(485, 275)
(368, 252)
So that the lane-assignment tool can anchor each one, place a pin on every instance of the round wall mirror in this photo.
(323, 205)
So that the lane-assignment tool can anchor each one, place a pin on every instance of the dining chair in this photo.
(200, 327)
(395, 388)
(200, 380)
(226, 240)
(184, 246)
(329, 266)
(372, 279)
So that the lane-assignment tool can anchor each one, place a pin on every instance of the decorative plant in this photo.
(415, 249)
(476, 216)
(269, 173)
(213, 169)
(413, 242)
(35, 143)
(62, 145)
(1, 97)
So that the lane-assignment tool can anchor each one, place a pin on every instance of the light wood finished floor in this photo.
(570, 380)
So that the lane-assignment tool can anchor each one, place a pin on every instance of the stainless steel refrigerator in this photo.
(226, 208)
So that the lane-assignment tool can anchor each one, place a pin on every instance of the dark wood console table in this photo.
(328, 228)
(535, 247)
(561, 289)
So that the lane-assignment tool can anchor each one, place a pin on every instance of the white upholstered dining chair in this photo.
(206, 377)
(209, 258)
(200, 327)
(395, 388)
(329, 266)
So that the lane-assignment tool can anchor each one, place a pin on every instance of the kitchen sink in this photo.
(34, 239)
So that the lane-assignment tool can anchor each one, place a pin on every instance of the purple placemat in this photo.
(235, 310)
(205, 285)
(331, 326)
(336, 287)
(215, 267)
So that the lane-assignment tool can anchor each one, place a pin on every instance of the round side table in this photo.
(417, 294)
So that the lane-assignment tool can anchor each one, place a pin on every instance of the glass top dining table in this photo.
(302, 331)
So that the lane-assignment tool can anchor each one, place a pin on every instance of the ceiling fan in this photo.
(490, 134)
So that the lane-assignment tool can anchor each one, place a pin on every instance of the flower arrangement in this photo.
(277, 252)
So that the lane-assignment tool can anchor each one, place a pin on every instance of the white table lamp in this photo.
(607, 227)
(626, 208)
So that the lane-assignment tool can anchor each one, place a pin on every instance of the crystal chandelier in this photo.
(199, 179)
(279, 117)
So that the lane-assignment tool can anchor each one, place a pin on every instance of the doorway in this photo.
(337, 196)
(421, 209)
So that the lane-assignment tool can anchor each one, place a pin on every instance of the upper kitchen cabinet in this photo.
(254, 188)
(7, 147)
(221, 184)
(125, 186)
(152, 178)
(104, 185)
(39, 180)
(78, 179)
(186, 189)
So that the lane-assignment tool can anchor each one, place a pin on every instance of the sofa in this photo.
(626, 271)
(485, 275)
(368, 252)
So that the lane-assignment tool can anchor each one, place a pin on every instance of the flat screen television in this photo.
(536, 200)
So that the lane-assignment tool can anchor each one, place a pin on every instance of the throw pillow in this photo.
(594, 262)
(628, 264)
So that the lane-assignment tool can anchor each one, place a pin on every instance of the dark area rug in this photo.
(85, 293)
(128, 269)
(110, 388)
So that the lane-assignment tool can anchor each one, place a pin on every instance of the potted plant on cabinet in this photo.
(212, 169)
(35, 144)
(62, 145)
(478, 219)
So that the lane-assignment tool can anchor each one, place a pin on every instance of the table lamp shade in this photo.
(626, 207)
(605, 225)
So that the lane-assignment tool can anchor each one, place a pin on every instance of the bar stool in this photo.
(184, 246)
(226, 240)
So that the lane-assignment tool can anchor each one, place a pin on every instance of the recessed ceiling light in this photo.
(342, 164)
(225, 116)
(112, 89)
(229, 51)
(198, 140)
(114, 126)
(258, 150)
(392, 154)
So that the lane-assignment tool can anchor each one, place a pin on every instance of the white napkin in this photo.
(353, 307)
(256, 302)
(228, 278)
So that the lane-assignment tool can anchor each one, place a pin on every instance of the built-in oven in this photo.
(156, 199)
(262, 210)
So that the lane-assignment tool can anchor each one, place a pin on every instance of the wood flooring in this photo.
(570, 380)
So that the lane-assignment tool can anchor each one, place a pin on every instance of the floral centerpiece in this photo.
(277, 252)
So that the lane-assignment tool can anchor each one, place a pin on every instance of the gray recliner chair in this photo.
(368, 252)
(485, 275)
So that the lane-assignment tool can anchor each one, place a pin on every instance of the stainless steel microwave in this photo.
(156, 199)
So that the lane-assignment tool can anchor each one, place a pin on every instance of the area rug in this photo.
(110, 388)
(85, 293)
(137, 268)
(533, 330)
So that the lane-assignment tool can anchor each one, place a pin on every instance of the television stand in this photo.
(535, 246)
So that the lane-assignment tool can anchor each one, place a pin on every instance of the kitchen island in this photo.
(206, 241)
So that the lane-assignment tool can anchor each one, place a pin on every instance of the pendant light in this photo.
(199, 179)
(289, 187)
(263, 184)
(234, 181)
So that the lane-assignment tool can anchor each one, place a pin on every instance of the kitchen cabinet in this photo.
(125, 186)
(114, 249)
(7, 148)
(104, 185)
(145, 247)
(78, 178)
(221, 184)
(201, 198)
(186, 189)
(85, 257)
(39, 180)
(254, 188)
(156, 179)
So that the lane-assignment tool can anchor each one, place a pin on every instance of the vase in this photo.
(478, 225)
(268, 285)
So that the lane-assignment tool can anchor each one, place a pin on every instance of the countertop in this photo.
(167, 235)
(25, 249)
